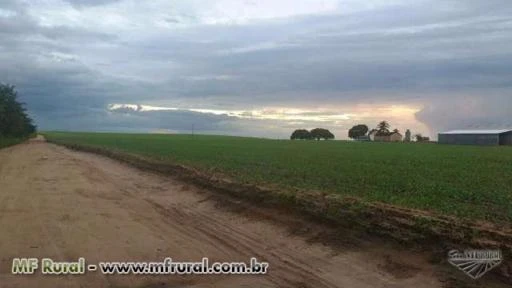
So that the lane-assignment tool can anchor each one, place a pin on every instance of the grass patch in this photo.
(6, 142)
(470, 182)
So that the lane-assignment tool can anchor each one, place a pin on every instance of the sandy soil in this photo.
(63, 204)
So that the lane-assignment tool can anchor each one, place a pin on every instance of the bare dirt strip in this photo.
(64, 204)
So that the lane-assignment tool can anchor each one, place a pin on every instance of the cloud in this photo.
(285, 114)
(468, 112)
(210, 77)
(335, 63)
(85, 3)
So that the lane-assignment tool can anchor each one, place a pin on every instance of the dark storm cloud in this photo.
(364, 59)
(68, 61)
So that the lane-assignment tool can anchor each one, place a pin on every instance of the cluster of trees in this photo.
(420, 138)
(14, 121)
(317, 133)
(358, 131)
(363, 130)
(383, 128)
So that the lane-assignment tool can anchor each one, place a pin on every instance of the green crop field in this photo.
(466, 181)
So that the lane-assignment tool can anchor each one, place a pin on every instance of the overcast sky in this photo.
(259, 67)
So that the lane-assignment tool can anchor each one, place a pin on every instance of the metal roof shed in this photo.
(476, 137)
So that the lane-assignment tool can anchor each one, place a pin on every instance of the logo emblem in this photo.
(475, 263)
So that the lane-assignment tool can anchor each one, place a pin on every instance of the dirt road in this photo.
(63, 204)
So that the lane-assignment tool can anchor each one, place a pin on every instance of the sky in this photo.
(259, 68)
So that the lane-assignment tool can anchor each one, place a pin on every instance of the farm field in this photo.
(465, 181)
(57, 202)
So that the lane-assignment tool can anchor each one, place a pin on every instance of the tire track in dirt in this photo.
(230, 240)
(235, 240)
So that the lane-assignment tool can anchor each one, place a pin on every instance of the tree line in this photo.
(357, 132)
(14, 121)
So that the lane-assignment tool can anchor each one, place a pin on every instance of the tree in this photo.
(357, 131)
(14, 121)
(301, 134)
(383, 127)
(407, 136)
(320, 133)
(396, 131)
(420, 138)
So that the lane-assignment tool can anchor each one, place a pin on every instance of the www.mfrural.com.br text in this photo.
(47, 266)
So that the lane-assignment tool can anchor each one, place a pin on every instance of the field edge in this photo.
(407, 226)
(8, 142)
